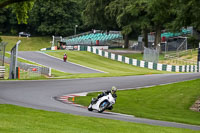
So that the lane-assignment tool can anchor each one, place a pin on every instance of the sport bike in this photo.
(103, 103)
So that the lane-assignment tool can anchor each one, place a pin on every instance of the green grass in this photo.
(139, 56)
(15, 119)
(6, 76)
(164, 102)
(113, 68)
(182, 60)
(27, 44)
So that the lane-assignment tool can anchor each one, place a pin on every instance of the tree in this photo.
(125, 14)
(116, 11)
(188, 14)
(161, 13)
(192, 40)
(130, 15)
(55, 17)
(8, 22)
(94, 15)
(46, 18)
(19, 7)
(4, 3)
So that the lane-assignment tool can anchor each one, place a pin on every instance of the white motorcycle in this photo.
(102, 104)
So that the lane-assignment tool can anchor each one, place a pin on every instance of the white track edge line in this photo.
(72, 62)
(37, 63)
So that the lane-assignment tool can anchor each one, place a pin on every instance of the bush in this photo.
(13, 32)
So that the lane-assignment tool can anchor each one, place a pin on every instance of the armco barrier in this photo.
(2, 71)
(140, 63)
(26, 66)
(51, 48)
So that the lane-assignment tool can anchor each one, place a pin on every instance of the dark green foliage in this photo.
(55, 17)
(193, 41)
(160, 13)
(46, 18)
(59, 17)
(94, 15)
(8, 21)
(188, 14)
(20, 7)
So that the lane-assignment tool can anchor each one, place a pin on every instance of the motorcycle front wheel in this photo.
(90, 108)
(103, 106)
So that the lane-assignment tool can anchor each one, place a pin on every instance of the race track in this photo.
(39, 94)
(55, 63)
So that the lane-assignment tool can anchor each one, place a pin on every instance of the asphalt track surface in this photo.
(39, 94)
(55, 63)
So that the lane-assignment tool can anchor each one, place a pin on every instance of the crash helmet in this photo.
(113, 90)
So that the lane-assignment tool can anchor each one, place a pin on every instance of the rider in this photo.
(112, 91)
(65, 57)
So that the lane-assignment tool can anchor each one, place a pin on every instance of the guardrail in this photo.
(2, 72)
(26, 67)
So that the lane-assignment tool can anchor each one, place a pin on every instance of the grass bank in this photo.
(15, 119)
(164, 102)
(139, 56)
(189, 57)
(27, 44)
(111, 67)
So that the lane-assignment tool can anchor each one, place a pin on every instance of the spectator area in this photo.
(93, 38)
(170, 34)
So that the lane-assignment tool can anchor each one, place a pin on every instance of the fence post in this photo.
(18, 72)
(13, 61)
(198, 59)
(49, 71)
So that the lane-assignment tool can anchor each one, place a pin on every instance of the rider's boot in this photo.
(110, 108)
(94, 100)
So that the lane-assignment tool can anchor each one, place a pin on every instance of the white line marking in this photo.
(72, 62)
(79, 94)
(121, 114)
(65, 99)
(36, 63)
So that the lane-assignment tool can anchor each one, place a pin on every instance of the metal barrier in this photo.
(2, 71)
(34, 72)
(2, 52)
(151, 55)
(26, 67)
